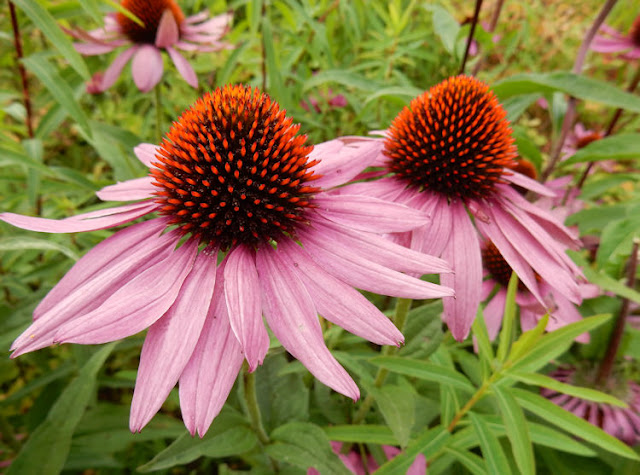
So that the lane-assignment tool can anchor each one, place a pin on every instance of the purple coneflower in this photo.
(165, 27)
(354, 463)
(450, 153)
(231, 175)
(622, 423)
(612, 41)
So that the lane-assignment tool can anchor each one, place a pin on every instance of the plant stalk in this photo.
(158, 100)
(474, 22)
(493, 22)
(17, 41)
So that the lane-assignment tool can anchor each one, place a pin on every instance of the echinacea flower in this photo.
(612, 41)
(450, 154)
(164, 27)
(233, 176)
(622, 423)
(354, 463)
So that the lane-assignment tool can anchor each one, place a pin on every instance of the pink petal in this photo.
(147, 67)
(432, 238)
(368, 214)
(146, 153)
(113, 71)
(94, 49)
(100, 272)
(526, 182)
(130, 190)
(610, 45)
(171, 340)
(242, 294)
(494, 312)
(463, 252)
(102, 219)
(209, 375)
(198, 17)
(183, 67)
(338, 302)
(292, 318)
(218, 25)
(340, 162)
(167, 33)
(349, 267)
(136, 305)
(387, 189)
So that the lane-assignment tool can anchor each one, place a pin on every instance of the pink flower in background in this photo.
(612, 41)
(333, 101)
(354, 463)
(619, 422)
(579, 138)
(165, 28)
(450, 152)
(232, 175)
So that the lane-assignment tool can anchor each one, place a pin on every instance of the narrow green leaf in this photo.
(362, 434)
(397, 405)
(606, 282)
(491, 449)
(517, 430)
(555, 343)
(15, 157)
(472, 462)
(34, 149)
(479, 329)
(27, 242)
(506, 334)
(58, 88)
(445, 26)
(428, 443)
(573, 424)
(92, 7)
(614, 147)
(515, 106)
(581, 87)
(45, 22)
(528, 339)
(425, 371)
(551, 383)
(126, 12)
(51, 440)
(342, 77)
(406, 93)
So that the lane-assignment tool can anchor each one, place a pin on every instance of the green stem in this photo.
(399, 318)
(253, 410)
(158, 98)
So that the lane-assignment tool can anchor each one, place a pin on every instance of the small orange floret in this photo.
(524, 167)
(454, 139)
(149, 12)
(587, 139)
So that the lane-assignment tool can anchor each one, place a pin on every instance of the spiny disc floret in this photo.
(454, 139)
(498, 267)
(232, 170)
(150, 13)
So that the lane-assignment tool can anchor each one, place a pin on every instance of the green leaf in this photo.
(305, 445)
(229, 435)
(606, 282)
(472, 462)
(528, 339)
(15, 157)
(491, 449)
(405, 93)
(27, 242)
(339, 76)
(481, 334)
(92, 7)
(616, 242)
(581, 87)
(614, 147)
(506, 334)
(428, 443)
(515, 106)
(275, 84)
(45, 22)
(555, 343)
(361, 434)
(51, 440)
(423, 330)
(446, 27)
(551, 383)
(58, 88)
(397, 405)
(517, 430)
(425, 371)
(573, 424)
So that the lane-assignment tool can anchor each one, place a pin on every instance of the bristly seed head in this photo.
(233, 171)
(149, 12)
(454, 139)
(497, 266)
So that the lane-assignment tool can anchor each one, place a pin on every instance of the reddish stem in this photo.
(23, 73)
(474, 22)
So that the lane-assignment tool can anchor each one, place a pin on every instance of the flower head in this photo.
(452, 157)
(612, 41)
(162, 26)
(232, 174)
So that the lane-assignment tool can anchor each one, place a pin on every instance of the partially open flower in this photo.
(232, 175)
(452, 155)
(612, 41)
(163, 27)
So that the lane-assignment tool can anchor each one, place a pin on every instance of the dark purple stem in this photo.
(493, 22)
(23, 73)
(616, 337)
(571, 105)
(474, 22)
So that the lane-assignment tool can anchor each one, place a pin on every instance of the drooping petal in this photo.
(209, 375)
(369, 214)
(130, 190)
(292, 318)
(168, 32)
(463, 252)
(526, 182)
(136, 305)
(244, 305)
(183, 67)
(494, 312)
(340, 162)
(171, 340)
(340, 303)
(96, 276)
(94, 49)
(217, 25)
(113, 71)
(198, 17)
(146, 67)
(146, 153)
(92, 221)
(609, 45)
